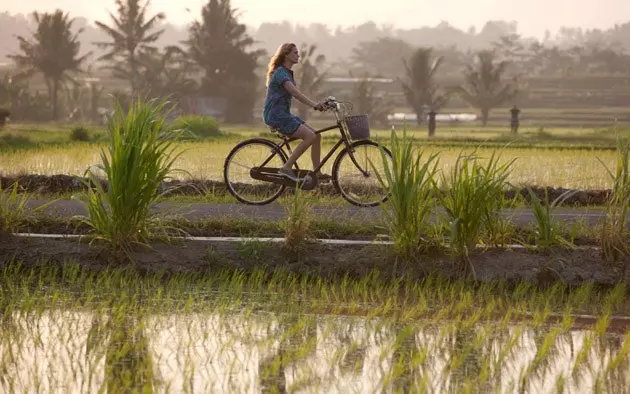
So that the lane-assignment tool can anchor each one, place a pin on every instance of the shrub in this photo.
(615, 238)
(140, 158)
(472, 199)
(411, 185)
(15, 141)
(199, 126)
(79, 133)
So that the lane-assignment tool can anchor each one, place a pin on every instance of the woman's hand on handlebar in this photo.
(324, 105)
(320, 107)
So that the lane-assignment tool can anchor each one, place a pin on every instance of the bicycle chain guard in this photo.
(269, 174)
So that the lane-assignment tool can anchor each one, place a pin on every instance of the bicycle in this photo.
(354, 136)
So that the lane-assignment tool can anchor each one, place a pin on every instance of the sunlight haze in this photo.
(533, 17)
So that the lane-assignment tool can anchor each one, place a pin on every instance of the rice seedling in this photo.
(120, 329)
(139, 159)
(411, 185)
(615, 239)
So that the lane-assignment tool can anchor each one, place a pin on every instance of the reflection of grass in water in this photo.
(190, 331)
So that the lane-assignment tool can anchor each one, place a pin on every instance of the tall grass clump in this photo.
(411, 188)
(615, 240)
(79, 133)
(12, 205)
(199, 126)
(547, 230)
(138, 159)
(298, 222)
(471, 200)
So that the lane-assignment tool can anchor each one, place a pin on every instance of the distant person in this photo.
(281, 88)
(514, 122)
(4, 116)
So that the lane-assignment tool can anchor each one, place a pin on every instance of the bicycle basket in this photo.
(358, 127)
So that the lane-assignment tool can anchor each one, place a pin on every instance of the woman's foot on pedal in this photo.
(289, 174)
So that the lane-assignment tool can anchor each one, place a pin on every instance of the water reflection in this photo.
(85, 351)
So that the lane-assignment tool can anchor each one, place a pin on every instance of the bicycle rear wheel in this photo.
(238, 164)
(354, 174)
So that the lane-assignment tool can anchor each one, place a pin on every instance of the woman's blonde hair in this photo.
(278, 59)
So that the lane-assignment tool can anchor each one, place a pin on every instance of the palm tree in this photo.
(132, 33)
(167, 73)
(483, 88)
(368, 101)
(52, 51)
(218, 44)
(422, 91)
(310, 78)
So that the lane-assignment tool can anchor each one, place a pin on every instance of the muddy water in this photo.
(68, 351)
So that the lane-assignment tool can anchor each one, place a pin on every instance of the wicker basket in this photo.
(358, 127)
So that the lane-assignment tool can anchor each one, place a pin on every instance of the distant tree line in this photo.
(217, 56)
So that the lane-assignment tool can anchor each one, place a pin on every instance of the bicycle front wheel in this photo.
(238, 164)
(355, 172)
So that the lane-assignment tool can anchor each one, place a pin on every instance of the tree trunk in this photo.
(419, 115)
(485, 113)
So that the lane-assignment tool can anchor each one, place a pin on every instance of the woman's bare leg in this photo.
(308, 137)
(316, 151)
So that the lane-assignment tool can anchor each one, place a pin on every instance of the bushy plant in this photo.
(411, 185)
(79, 133)
(547, 230)
(297, 224)
(139, 157)
(198, 126)
(470, 201)
(615, 238)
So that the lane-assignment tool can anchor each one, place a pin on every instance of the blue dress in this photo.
(277, 111)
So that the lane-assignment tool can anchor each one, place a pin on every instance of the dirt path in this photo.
(275, 212)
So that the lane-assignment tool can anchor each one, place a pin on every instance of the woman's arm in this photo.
(295, 92)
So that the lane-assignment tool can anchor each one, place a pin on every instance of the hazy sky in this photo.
(533, 16)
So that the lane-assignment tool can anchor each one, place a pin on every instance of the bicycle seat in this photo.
(277, 133)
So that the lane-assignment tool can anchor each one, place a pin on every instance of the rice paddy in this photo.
(575, 168)
(67, 329)
(71, 326)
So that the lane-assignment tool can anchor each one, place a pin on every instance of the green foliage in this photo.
(547, 231)
(12, 206)
(15, 141)
(298, 222)
(473, 193)
(615, 238)
(139, 158)
(79, 133)
(53, 51)
(13, 209)
(411, 185)
(484, 88)
(199, 126)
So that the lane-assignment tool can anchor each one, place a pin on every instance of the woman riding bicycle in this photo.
(277, 115)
